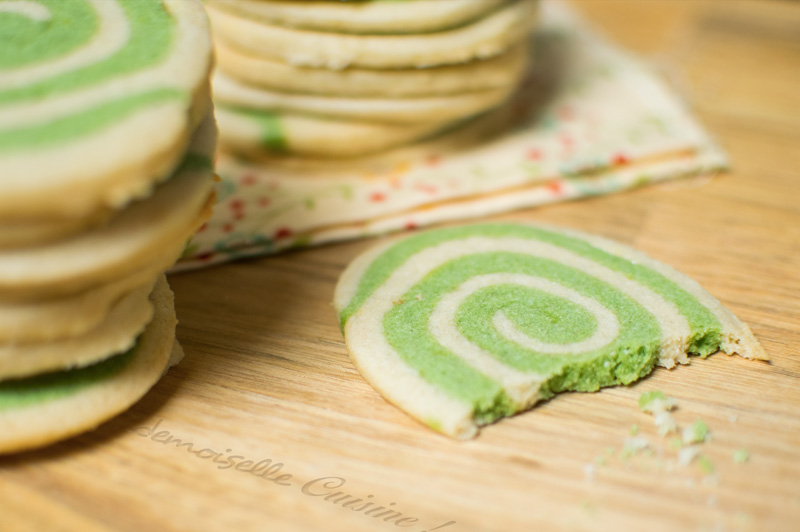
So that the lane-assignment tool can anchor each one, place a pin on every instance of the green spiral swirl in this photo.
(499, 316)
(47, 34)
(54, 29)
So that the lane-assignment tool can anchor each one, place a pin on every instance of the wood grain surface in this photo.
(266, 376)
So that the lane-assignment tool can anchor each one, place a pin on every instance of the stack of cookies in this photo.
(336, 79)
(107, 138)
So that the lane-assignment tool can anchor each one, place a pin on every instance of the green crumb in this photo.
(648, 397)
(696, 432)
(588, 507)
(676, 444)
(301, 241)
(608, 451)
(705, 464)
(600, 461)
(633, 446)
(655, 401)
(741, 456)
(434, 424)
(634, 430)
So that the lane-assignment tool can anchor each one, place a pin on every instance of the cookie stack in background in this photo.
(338, 79)
(107, 137)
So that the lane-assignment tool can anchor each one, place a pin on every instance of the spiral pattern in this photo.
(69, 48)
(462, 326)
(74, 73)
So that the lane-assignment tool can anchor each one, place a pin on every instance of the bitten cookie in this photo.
(462, 326)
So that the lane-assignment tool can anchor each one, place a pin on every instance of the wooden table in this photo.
(266, 375)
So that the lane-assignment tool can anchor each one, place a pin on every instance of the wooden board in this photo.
(266, 377)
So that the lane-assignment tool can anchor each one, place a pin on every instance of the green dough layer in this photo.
(25, 40)
(20, 393)
(406, 329)
(72, 24)
(64, 129)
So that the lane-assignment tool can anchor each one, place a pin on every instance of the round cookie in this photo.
(253, 133)
(231, 93)
(495, 73)
(410, 16)
(486, 37)
(52, 319)
(40, 410)
(20, 233)
(132, 240)
(78, 81)
(115, 334)
(462, 326)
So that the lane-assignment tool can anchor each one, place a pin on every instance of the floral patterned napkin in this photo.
(588, 120)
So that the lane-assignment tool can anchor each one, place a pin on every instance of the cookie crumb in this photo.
(687, 455)
(676, 444)
(633, 446)
(697, 432)
(741, 456)
(665, 423)
(705, 464)
(655, 401)
(589, 471)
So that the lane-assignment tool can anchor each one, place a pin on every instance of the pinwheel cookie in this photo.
(98, 101)
(462, 326)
